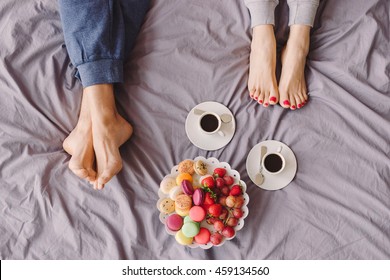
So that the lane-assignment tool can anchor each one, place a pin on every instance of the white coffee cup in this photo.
(273, 162)
(210, 123)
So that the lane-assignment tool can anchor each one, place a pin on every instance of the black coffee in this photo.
(209, 123)
(273, 163)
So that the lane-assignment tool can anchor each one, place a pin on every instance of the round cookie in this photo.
(187, 219)
(190, 229)
(183, 204)
(203, 237)
(182, 239)
(187, 187)
(197, 213)
(200, 168)
(186, 166)
(167, 184)
(183, 176)
(198, 196)
(167, 205)
(174, 222)
(174, 192)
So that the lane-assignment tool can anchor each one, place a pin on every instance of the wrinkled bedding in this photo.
(188, 52)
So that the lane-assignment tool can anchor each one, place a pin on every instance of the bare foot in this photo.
(79, 145)
(292, 85)
(262, 83)
(109, 132)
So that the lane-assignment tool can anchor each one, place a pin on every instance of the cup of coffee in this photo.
(273, 162)
(210, 123)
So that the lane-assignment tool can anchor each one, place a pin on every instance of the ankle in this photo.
(299, 38)
(263, 35)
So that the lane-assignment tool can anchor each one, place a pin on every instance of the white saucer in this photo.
(205, 141)
(272, 182)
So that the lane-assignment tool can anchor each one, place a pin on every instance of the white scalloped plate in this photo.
(212, 163)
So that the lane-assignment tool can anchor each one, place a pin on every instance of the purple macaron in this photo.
(187, 187)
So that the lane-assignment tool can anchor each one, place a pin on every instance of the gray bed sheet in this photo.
(188, 52)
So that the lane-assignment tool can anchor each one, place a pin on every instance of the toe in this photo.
(284, 101)
(256, 95)
(298, 101)
(261, 98)
(293, 103)
(273, 99)
(252, 92)
(266, 99)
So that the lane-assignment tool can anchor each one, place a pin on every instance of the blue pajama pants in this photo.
(99, 35)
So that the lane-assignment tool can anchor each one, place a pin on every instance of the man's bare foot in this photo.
(79, 145)
(262, 83)
(109, 132)
(292, 85)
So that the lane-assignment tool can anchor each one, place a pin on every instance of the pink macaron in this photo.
(197, 213)
(203, 237)
(198, 197)
(174, 222)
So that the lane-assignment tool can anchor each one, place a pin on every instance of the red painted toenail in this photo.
(251, 96)
(273, 99)
(299, 105)
(286, 102)
(255, 97)
(261, 101)
(266, 104)
(293, 107)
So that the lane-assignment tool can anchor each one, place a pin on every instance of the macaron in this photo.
(181, 177)
(197, 213)
(174, 192)
(190, 229)
(182, 239)
(200, 168)
(203, 237)
(186, 166)
(187, 219)
(198, 196)
(167, 184)
(174, 222)
(187, 187)
(167, 205)
(183, 204)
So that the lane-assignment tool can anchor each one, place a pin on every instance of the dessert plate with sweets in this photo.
(202, 202)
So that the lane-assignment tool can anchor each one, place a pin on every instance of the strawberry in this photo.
(235, 190)
(228, 180)
(208, 200)
(215, 210)
(208, 182)
(219, 172)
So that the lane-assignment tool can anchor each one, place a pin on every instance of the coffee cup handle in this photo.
(279, 149)
(220, 132)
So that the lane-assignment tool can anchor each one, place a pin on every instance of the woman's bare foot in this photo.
(262, 83)
(292, 85)
(109, 132)
(79, 145)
